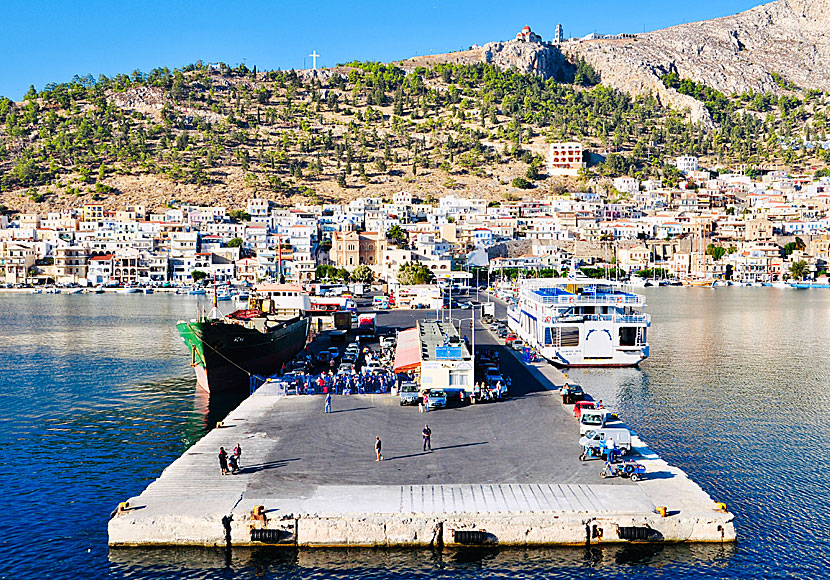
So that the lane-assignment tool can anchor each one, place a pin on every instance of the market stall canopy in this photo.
(408, 351)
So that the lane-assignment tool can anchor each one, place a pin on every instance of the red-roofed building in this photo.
(100, 269)
(527, 35)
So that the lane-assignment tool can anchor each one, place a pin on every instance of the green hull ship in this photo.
(226, 352)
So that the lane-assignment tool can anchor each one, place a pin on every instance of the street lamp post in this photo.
(472, 332)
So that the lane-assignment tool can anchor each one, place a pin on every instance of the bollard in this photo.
(219, 424)
(661, 511)
(258, 513)
(123, 506)
(720, 506)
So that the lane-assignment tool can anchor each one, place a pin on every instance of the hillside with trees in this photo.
(219, 134)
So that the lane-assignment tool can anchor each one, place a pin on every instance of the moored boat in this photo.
(579, 322)
(226, 351)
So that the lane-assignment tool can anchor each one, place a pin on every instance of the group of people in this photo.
(426, 433)
(491, 392)
(230, 464)
(345, 383)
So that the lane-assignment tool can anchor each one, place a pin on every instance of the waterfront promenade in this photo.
(509, 468)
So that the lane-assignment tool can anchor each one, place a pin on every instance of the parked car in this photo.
(334, 352)
(374, 368)
(436, 399)
(510, 338)
(409, 394)
(387, 341)
(345, 368)
(517, 344)
(579, 406)
(350, 358)
(620, 435)
(572, 394)
(492, 375)
(592, 419)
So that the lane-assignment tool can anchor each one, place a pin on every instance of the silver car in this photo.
(436, 399)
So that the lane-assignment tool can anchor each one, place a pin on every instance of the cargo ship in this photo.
(226, 351)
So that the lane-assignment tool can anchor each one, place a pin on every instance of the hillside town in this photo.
(732, 228)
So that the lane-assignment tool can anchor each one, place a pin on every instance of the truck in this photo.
(343, 320)
(366, 324)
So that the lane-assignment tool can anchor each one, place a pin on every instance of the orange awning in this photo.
(408, 351)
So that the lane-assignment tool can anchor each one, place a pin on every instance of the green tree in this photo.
(239, 215)
(799, 269)
(363, 273)
(198, 276)
(235, 243)
(716, 252)
(397, 234)
(521, 183)
(414, 273)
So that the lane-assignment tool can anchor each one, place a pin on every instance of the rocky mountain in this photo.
(768, 48)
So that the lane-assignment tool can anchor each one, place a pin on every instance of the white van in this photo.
(596, 419)
(620, 435)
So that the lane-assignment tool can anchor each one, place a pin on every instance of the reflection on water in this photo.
(99, 398)
(503, 562)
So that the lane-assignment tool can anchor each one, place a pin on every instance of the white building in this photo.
(626, 185)
(686, 163)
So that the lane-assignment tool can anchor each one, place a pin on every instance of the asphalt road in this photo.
(529, 438)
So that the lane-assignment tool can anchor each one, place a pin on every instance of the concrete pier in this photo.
(503, 473)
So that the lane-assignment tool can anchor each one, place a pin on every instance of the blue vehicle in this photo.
(629, 469)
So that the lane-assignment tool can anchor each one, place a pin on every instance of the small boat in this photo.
(76, 291)
(128, 290)
(99, 289)
(781, 284)
(698, 282)
(37, 291)
(148, 290)
(197, 291)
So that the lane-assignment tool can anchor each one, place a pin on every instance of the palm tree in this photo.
(798, 269)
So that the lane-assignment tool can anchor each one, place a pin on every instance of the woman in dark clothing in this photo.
(223, 460)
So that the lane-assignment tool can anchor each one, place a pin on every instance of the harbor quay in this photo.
(502, 473)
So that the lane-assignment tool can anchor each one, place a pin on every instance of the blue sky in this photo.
(50, 41)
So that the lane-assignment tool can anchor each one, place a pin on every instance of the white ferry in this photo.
(581, 322)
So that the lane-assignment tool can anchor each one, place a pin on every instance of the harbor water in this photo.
(98, 398)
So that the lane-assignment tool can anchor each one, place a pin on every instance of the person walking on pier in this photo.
(237, 453)
(328, 403)
(427, 433)
(379, 455)
(223, 460)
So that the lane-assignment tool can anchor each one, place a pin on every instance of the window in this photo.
(459, 378)
(548, 339)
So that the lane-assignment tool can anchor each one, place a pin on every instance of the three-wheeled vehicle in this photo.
(629, 469)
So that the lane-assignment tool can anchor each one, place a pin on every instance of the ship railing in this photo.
(587, 299)
(613, 318)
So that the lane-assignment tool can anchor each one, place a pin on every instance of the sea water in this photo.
(98, 398)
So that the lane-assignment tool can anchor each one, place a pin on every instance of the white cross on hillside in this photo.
(314, 56)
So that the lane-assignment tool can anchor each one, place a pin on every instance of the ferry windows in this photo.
(548, 338)
(570, 336)
(628, 336)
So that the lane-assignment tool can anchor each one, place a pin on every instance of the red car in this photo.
(580, 405)
(509, 338)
